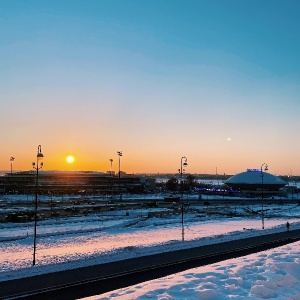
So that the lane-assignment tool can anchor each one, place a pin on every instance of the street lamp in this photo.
(110, 179)
(181, 170)
(120, 154)
(262, 192)
(111, 161)
(37, 166)
(11, 163)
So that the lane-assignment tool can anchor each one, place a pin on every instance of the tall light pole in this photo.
(262, 193)
(11, 164)
(37, 166)
(111, 161)
(120, 154)
(181, 170)
(110, 180)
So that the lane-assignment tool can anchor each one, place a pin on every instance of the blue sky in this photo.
(216, 81)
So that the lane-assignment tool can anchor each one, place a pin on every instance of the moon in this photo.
(70, 159)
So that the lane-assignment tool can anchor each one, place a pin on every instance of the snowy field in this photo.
(272, 274)
(73, 242)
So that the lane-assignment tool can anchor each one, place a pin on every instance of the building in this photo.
(70, 182)
(252, 180)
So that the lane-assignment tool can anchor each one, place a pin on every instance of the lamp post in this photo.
(11, 164)
(262, 193)
(110, 179)
(120, 154)
(181, 170)
(37, 166)
(111, 161)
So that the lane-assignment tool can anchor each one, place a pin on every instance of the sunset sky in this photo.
(215, 81)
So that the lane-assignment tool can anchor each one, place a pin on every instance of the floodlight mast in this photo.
(181, 170)
(37, 166)
(120, 154)
(262, 193)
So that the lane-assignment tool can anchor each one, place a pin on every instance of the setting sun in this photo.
(70, 159)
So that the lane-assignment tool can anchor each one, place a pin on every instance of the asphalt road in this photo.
(98, 279)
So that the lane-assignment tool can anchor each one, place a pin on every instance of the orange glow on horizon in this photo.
(207, 161)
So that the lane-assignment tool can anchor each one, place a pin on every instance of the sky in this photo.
(214, 81)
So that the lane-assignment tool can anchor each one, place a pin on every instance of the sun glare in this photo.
(70, 159)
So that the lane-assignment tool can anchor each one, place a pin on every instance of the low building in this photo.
(255, 180)
(70, 182)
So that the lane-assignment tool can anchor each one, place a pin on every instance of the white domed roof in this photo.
(253, 176)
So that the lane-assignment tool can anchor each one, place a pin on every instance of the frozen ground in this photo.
(272, 274)
(98, 238)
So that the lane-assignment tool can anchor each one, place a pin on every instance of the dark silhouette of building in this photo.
(77, 182)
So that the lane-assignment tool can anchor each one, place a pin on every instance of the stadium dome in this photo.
(252, 180)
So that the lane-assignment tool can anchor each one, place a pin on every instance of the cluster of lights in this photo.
(216, 190)
(253, 170)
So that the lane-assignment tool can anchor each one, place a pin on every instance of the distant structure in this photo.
(72, 182)
(251, 180)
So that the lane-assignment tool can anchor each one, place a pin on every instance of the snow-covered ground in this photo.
(272, 274)
(68, 243)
